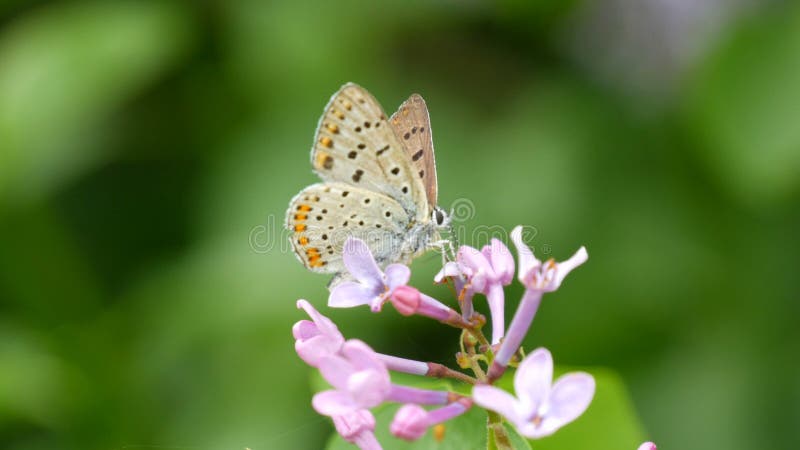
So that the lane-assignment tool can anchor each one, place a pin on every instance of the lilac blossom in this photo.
(315, 338)
(320, 337)
(487, 271)
(372, 286)
(357, 428)
(647, 446)
(538, 278)
(412, 421)
(464, 290)
(359, 378)
(543, 277)
(408, 301)
(540, 407)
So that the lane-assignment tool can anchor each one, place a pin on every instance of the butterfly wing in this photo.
(322, 216)
(355, 145)
(412, 125)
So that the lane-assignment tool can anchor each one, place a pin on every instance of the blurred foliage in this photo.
(142, 143)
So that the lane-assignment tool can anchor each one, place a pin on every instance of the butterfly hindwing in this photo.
(355, 145)
(322, 216)
(412, 124)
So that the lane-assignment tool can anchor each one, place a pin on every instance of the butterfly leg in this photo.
(445, 246)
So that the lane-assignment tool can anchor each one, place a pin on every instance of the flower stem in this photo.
(475, 365)
(484, 342)
(442, 371)
(497, 433)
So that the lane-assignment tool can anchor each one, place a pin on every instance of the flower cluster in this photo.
(360, 376)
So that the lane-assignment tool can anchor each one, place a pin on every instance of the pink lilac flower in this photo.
(357, 428)
(547, 276)
(359, 378)
(372, 287)
(315, 338)
(412, 421)
(320, 337)
(647, 446)
(540, 407)
(463, 289)
(408, 300)
(538, 278)
(487, 271)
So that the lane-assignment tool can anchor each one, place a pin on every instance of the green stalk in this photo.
(498, 437)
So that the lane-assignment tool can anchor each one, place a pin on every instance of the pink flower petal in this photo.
(564, 268)
(475, 266)
(360, 263)
(569, 398)
(324, 324)
(336, 371)
(502, 261)
(397, 275)
(498, 400)
(368, 388)
(527, 261)
(410, 422)
(350, 426)
(362, 357)
(647, 446)
(305, 329)
(532, 380)
(333, 403)
(314, 349)
(349, 293)
(450, 269)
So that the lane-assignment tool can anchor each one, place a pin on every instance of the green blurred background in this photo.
(142, 144)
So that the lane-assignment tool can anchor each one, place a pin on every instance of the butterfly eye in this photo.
(438, 216)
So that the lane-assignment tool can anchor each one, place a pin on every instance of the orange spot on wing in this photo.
(326, 141)
(323, 159)
(339, 115)
(347, 105)
(303, 241)
(300, 217)
(333, 128)
(299, 227)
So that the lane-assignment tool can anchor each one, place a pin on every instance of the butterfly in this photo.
(379, 185)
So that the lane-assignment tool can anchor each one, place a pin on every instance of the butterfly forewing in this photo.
(412, 125)
(355, 144)
(322, 216)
